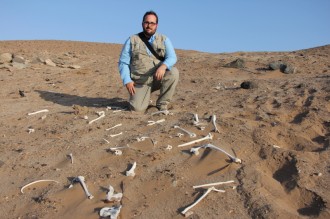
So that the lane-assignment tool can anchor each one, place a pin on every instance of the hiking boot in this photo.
(162, 107)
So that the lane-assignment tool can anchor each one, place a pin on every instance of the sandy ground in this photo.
(279, 128)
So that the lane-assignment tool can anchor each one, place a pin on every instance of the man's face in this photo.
(149, 25)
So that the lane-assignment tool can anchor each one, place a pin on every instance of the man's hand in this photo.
(130, 87)
(160, 72)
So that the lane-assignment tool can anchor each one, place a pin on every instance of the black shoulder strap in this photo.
(144, 39)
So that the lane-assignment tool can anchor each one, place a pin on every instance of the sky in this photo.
(213, 26)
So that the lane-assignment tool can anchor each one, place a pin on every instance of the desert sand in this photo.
(279, 127)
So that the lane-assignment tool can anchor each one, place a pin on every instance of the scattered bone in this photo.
(85, 117)
(209, 136)
(156, 122)
(154, 142)
(213, 119)
(185, 211)
(81, 180)
(110, 212)
(37, 181)
(234, 159)
(131, 172)
(165, 112)
(195, 150)
(101, 115)
(71, 157)
(169, 147)
(116, 134)
(213, 184)
(117, 111)
(115, 108)
(43, 117)
(191, 134)
(106, 140)
(114, 127)
(276, 146)
(142, 138)
(118, 152)
(111, 197)
(40, 111)
(197, 123)
(179, 134)
(30, 130)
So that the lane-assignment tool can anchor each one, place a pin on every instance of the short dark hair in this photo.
(150, 13)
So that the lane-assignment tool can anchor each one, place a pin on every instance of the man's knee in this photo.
(173, 74)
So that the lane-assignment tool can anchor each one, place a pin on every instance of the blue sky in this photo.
(209, 26)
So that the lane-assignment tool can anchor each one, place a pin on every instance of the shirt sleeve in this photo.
(170, 56)
(124, 62)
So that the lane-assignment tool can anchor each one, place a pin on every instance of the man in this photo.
(143, 72)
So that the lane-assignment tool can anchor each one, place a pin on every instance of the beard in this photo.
(149, 32)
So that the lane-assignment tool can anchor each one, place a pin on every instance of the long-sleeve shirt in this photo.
(125, 58)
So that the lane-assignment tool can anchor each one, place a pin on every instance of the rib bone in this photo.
(42, 180)
(214, 124)
(209, 136)
(234, 159)
(191, 134)
(81, 180)
(114, 126)
(116, 134)
(101, 115)
(213, 184)
(131, 171)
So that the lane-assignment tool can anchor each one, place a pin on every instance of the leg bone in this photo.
(209, 136)
(191, 134)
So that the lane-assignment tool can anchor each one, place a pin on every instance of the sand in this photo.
(279, 128)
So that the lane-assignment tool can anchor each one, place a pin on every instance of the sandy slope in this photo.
(280, 129)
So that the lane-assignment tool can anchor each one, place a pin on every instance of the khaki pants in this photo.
(140, 100)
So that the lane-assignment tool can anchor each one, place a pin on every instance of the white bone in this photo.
(197, 123)
(234, 159)
(209, 136)
(195, 150)
(113, 197)
(31, 130)
(156, 122)
(101, 115)
(214, 124)
(116, 134)
(118, 152)
(43, 117)
(196, 120)
(142, 138)
(169, 147)
(198, 200)
(71, 157)
(115, 108)
(40, 111)
(110, 212)
(81, 180)
(106, 140)
(180, 135)
(131, 171)
(276, 146)
(37, 181)
(213, 184)
(165, 112)
(191, 134)
(114, 127)
(154, 142)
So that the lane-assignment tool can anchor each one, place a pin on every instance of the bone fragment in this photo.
(106, 140)
(116, 134)
(213, 184)
(101, 115)
(180, 135)
(110, 212)
(118, 152)
(197, 123)
(169, 147)
(214, 124)
(165, 112)
(131, 172)
(114, 127)
(37, 181)
(191, 134)
(40, 111)
(142, 138)
(30, 130)
(71, 157)
(156, 122)
(276, 146)
(185, 211)
(209, 136)
(81, 180)
(196, 120)
(195, 150)
(234, 159)
(113, 197)
(43, 117)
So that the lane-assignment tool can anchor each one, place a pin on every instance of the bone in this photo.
(142, 138)
(191, 134)
(179, 134)
(195, 150)
(115, 135)
(37, 181)
(131, 172)
(81, 180)
(234, 159)
(197, 123)
(213, 184)
(114, 127)
(165, 112)
(118, 152)
(40, 111)
(185, 211)
(209, 136)
(101, 115)
(169, 147)
(30, 130)
(106, 140)
(156, 122)
(110, 197)
(196, 120)
(71, 157)
(110, 212)
(213, 119)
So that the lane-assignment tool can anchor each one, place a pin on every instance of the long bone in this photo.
(81, 180)
(213, 119)
(114, 127)
(209, 136)
(37, 181)
(40, 111)
(155, 122)
(71, 157)
(200, 199)
(115, 135)
(191, 134)
(197, 123)
(234, 159)
(101, 115)
(213, 184)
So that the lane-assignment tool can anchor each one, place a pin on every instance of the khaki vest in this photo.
(143, 65)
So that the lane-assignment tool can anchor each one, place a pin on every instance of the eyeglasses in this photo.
(149, 23)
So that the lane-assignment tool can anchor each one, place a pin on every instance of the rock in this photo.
(18, 59)
(283, 67)
(5, 57)
(74, 66)
(18, 65)
(50, 63)
(248, 85)
(238, 63)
